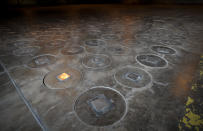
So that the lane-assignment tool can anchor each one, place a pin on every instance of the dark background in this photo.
(62, 2)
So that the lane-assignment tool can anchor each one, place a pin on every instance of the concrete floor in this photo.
(132, 68)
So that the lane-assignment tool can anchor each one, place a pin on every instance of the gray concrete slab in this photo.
(14, 114)
(158, 105)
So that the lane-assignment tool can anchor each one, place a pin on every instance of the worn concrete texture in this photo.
(146, 57)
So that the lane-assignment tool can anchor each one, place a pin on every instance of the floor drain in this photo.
(151, 60)
(62, 78)
(163, 50)
(132, 77)
(25, 51)
(96, 61)
(41, 60)
(72, 50)
(100, 106)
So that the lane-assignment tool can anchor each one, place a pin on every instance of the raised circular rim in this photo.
(166, 65)
(165, 47)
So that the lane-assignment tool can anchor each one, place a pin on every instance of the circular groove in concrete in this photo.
(25, 51)
(133, 77)
(100, 106)
(96, 61)
(41, 61)
(163, 50)
(151, 61)
(52, 82)
(72, 50)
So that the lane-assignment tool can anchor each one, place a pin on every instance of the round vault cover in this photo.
(41, 60)
(95, 43)
(62, 78)
(132, 77)
(151, 60)
(110, 37)
(55, 44)
(96, 61)
(163, 50)
(117, 50)
(100, 106)
(21, 43)
(24, 51)
(72, 50)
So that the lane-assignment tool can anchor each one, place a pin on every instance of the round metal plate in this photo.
(25, 51)
(151, 60)
(72, 50)
(132, 77)
(21, 43)
(96, 61)
(41, 61)
(95, 43)
(100, 106)
(163, 50)
(110, 37)
(55, 44)
(51, 81)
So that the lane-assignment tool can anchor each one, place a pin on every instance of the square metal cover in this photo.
(100, 104)
(133, 76)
